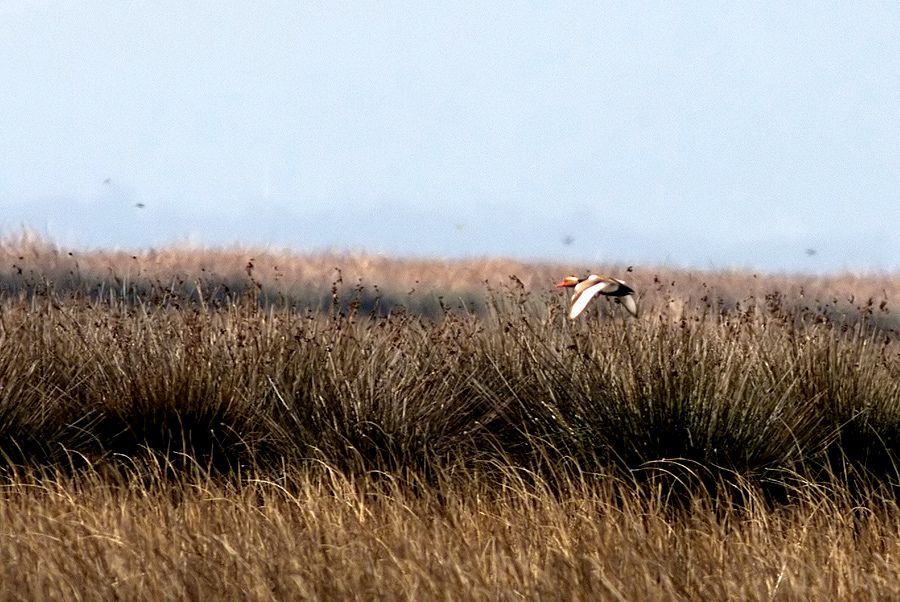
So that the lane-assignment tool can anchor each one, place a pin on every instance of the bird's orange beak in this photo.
(568, 281)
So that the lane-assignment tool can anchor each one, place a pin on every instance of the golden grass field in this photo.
(253, 424)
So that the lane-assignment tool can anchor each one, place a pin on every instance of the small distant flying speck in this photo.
(568, 239)
(810, 252)
(140, 205)
(107, 181)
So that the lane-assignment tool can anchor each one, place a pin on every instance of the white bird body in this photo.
(588, 288)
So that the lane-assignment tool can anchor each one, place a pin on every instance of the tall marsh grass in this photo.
(734, 393)
(158, 440)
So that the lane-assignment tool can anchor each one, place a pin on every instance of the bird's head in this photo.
(569, 281)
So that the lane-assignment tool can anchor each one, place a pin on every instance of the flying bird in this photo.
(588, 288)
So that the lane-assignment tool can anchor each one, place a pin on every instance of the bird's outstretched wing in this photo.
(581, 299)
(630, 304)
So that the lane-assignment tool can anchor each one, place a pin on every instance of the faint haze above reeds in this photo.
(761, 135)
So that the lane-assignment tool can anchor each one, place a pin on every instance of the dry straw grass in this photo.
(503, 538)
(185, 425)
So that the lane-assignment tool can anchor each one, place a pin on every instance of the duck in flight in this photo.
(588, 288)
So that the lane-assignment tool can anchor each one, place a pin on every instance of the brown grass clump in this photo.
(168, 433)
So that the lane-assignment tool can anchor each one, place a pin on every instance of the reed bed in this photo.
(29, 263)
(216, 433)
(750, 391)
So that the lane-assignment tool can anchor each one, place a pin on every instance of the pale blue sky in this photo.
(697, 134)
